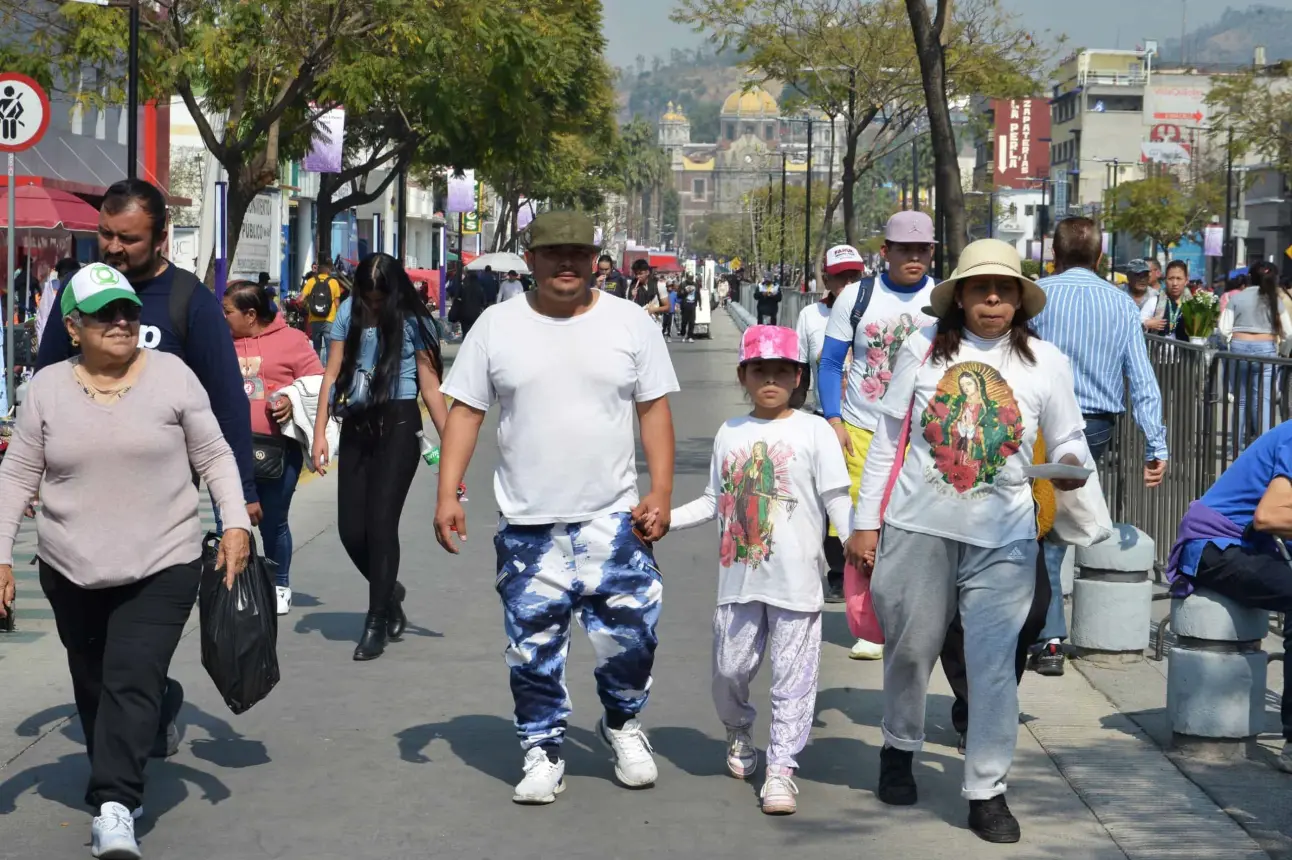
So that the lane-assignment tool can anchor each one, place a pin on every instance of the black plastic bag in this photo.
(239, 628)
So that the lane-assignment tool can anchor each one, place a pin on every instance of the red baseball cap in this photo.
(843, 258)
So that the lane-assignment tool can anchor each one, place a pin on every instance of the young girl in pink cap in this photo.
(775, 475)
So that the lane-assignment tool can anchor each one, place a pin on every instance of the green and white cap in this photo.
(94, 286)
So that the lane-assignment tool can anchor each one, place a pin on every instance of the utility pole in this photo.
(915, 172)
(1112, 245)
(782, 255)
(1226, 246)
(807, 212)
(132, 95)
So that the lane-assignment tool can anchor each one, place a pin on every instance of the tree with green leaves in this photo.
(1256, 107)
(1164, 208)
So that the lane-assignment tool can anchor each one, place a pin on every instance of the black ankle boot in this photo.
(373, 642)
(896, 779)
(398, 620)
(992, 820)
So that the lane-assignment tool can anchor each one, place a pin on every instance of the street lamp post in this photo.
(807, 213)
(782, 255)
(132, 95)
(1226, 245)
(915, 173)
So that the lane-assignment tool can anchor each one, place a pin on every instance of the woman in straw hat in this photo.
(959, 530)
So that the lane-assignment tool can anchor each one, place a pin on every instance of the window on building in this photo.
(1029, 211)
(769, 132)
(697, 189)
(731, 131)
(1114, 103)
(749, 128)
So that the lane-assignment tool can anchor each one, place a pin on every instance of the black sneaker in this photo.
(896, 780)
(834, 590)
(166, 744)
(960, 747)
(992, 820)
(1049, 660)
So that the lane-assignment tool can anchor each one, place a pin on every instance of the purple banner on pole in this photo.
(1213, 240)
(462, 192)
(329, 143)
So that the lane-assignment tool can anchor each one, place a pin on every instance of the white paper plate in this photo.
(1057, 472)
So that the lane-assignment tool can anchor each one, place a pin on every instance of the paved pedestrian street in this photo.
(414, 755)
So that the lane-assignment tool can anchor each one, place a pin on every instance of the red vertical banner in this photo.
(1022, 147)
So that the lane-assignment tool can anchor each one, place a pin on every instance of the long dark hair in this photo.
(1266, 278)
(382, 275)
(250, 296)
(946, 343)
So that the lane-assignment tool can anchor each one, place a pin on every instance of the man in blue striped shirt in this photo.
(1098, 328)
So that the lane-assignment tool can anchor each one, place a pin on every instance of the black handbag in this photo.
(269, 455)
(357, 399)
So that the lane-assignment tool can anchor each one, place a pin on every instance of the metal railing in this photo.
(1214, 404)
(792, 303)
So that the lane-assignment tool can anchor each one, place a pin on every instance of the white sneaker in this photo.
(742, 755)
(284, 599)
(544, 779)
(1284, 761)
(634, 765)
(112, 835)
(865, 650)
(778, 791)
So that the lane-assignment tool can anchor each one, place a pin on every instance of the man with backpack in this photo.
(322, 294)
(873, 317)
(179, 315)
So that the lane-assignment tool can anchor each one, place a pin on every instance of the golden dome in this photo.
(754, 102)
(673, 114)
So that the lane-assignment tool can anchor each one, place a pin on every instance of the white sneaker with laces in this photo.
(742, 755)
(284, 599)
(865, 650)
(544, 779)
(112, 835)
(634, 765)
(1284, 761)
(778, 791)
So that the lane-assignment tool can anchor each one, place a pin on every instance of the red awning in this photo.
(41, 208)
(665, 263)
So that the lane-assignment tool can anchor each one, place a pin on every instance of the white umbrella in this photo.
(502, 262)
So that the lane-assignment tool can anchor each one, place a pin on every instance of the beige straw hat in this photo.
(987, 257)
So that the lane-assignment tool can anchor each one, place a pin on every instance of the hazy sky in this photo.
(642, 26)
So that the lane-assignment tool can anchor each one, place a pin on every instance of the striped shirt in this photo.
(1097, 326)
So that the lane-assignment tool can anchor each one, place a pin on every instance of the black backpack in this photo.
(319, 298)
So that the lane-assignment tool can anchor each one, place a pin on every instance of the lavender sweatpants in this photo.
(741, 634)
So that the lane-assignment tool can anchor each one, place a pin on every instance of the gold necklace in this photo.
(93, 391)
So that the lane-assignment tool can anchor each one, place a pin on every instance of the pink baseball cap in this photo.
(843, 258)
(769, 341)
(911, 227)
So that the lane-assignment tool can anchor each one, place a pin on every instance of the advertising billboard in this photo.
(1022, 142)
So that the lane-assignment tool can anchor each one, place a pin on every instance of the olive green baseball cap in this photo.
(94, 286)
(561, 228)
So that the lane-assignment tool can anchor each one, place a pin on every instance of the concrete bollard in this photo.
(1215, 683)
(1112, 601)
(741, 317)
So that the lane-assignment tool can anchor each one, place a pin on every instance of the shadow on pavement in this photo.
(348, 626)
(488, 744)
(34, 725)
(301, 600)
(224, 745)
(691, 750)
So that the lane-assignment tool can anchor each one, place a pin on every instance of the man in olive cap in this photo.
(568, 365)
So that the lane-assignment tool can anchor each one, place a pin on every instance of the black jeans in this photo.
(1257, 580)
(666, 323)
(953, 649)
(119, 643)
(687, 328)
(766, 314)
(835, 561)
(376, 463)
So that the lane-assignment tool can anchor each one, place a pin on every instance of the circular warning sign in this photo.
(24, 112)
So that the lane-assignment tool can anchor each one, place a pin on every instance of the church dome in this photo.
(673, 114)
(754, 102)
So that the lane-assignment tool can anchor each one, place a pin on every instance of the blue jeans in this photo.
(1253, 404)
(1099, 434)
(319, 332)
(1056, 625)
(275, 501)
(599, 572)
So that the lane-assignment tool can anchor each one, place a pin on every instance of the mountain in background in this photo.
(698, 79)
(1233, 39)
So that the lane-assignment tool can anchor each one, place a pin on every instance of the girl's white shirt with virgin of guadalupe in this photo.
(771, 486)
(974, 421)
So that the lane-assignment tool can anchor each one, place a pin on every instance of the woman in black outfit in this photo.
(384, 337)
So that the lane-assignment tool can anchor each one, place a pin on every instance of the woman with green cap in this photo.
(108, 438)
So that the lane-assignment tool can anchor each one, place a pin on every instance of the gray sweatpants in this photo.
(918, 583)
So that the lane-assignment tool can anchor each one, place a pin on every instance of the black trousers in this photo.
(119, 643)
(666, 323)
(687, 328)
(376, 463)
(835, 561)
(766, 314)
(953, 649)
(1257, 580)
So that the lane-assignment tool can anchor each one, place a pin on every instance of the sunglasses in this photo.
(110, 313)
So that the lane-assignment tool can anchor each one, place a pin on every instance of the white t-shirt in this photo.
(891, 316)
(770, 484)
(568, 389)
(974, 422)
(510, 289)
(811, 331)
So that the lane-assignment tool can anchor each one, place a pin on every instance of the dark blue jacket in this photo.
(207, 350)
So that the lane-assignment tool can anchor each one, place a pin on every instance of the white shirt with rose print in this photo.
(892, 315)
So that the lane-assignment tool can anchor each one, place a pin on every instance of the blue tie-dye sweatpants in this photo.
(599, 572)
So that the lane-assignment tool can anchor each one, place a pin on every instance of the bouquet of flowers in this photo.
(1201, 313)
